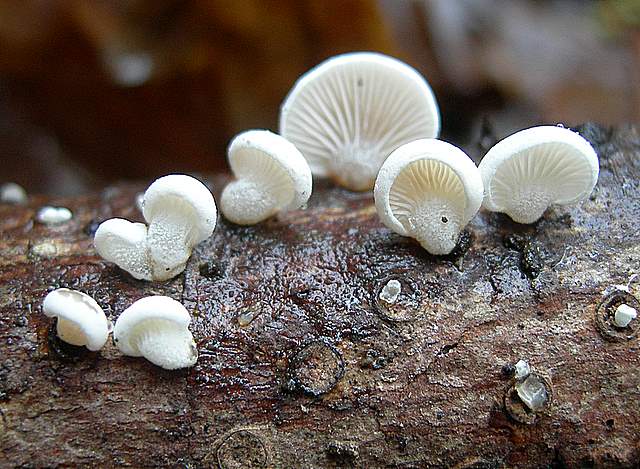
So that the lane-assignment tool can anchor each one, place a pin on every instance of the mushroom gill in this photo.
(428, 199)
(534, 178)
(262, 187)
(349, 113)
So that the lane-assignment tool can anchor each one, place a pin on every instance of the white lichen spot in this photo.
(53, 215)
(12, 193)
(533, 393)
(624, 315)
(246, 317)
(391, 291)
(522, 370)
(45, 249)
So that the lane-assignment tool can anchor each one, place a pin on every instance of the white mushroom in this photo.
(156, 328)
(534, 168)
(624, 315)
(12, 193)
(390, 291)
(272, 175)
(181, 213)
(429, 190)
(80, 320)
(522, 369)
(532, 392)
(53, 215)
(349, 113)
(125, 244)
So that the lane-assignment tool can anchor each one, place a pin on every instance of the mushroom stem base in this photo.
(245, 202)
(166, 347)
(528, 204)
(169, 241)
(435, 224)
(356, 167)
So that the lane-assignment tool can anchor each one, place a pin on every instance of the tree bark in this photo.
(301, 364)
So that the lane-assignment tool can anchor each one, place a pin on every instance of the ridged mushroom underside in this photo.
(428, 199)
(263, 187)
(265, 175)
(528, 182)
(347, 123)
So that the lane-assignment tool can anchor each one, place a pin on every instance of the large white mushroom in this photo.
(271, 175)
(349, 113)
(429, 190)
(157, 328)
(530, 170)
(80, 320)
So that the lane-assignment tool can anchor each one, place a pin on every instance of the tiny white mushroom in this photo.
(534, 168)
(391, 291)
(624, 315)
(181, 213)
(81, 321)
(125, 244)
(349, 113)
(522, 369)
(272, 175)
(156, 328)
(533, 393)
(12, 193)
(53, 215)
(429, 190)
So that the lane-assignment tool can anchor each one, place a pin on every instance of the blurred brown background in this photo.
(100, 90)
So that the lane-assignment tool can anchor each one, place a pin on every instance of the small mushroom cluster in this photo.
(154, 327)
(180, 212)
(429, 190)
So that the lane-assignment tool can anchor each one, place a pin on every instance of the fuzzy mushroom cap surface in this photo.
(185, 195)
(534, 168)
(271, 173)
(81, 321)
(156, 328)
(124, 243)
(350, 112)
(429, 190)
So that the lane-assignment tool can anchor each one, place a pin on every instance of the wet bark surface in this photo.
(302, 365)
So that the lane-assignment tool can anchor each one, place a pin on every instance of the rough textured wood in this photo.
(300, 366)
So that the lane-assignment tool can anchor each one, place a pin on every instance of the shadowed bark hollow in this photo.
(302, 365)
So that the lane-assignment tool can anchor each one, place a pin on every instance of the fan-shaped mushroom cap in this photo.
(429, 190)
(349, 113)
(81, 321)
(534, 168)
(181, 212)
(125, 244)
(156, 328)
(272, 175)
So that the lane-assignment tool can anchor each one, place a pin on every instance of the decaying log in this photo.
(302, 366)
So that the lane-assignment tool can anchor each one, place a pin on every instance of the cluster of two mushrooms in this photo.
(370, 121)
(154, 327)
(180, 212)
(430, 190)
